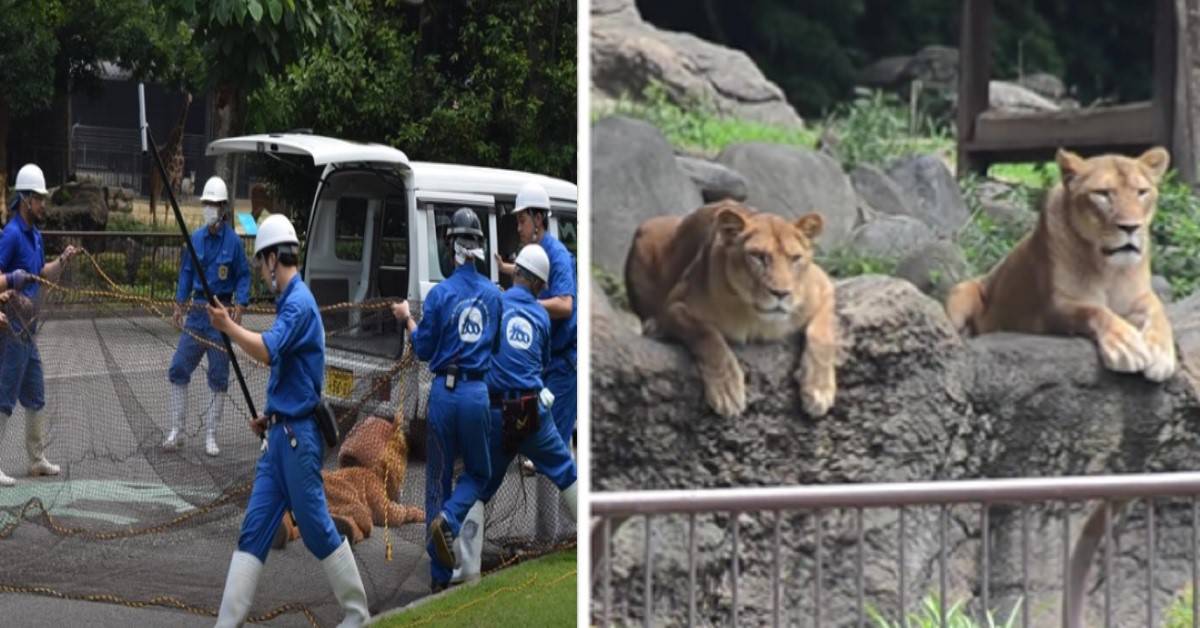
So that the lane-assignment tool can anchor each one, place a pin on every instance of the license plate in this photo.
(338, 382)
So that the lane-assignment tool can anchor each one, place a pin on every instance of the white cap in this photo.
(215, 191)
(532, 196)
(276, 229)
(31, 179)
(533, 259)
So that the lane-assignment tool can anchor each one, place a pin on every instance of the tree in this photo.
(50, 49)
(482, 83)
(244, 42)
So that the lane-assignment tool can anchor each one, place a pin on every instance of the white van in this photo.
(375, 232)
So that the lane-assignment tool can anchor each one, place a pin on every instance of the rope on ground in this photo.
(458, 610)
(164, 601)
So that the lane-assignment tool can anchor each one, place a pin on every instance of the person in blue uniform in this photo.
(558, 297)
(224, 265)
(459, 320)
(22, 256)
(521, 406)
(288, 474)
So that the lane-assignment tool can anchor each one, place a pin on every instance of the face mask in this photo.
(210, 215)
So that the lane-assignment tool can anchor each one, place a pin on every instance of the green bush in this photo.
(1176, 236)
(698, 128)
(1179, 613)
(877, 128)
(929, 616)
(842, 263)
(612, 286)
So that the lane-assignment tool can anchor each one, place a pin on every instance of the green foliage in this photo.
(984, 240)
(1038, 176)
(482, 83)
(27, 40)
(1179, 613)
(612, 286)
(698, 128)
(842, 263)
(877, 128)
(125, 222)
(929, 616)
(1176, 236)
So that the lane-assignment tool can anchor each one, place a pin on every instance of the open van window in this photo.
(441, 256)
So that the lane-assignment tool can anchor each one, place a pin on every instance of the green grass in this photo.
(1179, 613)
(928, 616)
(877, 128)
(700, 129)
(1032, 175)
(539, 592)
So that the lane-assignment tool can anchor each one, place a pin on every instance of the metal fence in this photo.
(614, 508)
(144, 263)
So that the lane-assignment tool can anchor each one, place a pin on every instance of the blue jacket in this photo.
(225, 266)
(21, 247)
(459, 321)
(523, 346)
(296, 345)
(562, 283)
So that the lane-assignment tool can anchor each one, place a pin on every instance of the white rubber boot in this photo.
(215, 408)
(347, 585)
(468, 547)
(176, 412)
(35, 444)
(5, 480)
(571, 496)
(239, 589)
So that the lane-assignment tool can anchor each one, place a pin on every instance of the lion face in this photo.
(766, 259)
(1111, 201)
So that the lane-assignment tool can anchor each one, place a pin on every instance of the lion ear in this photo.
(730, 224)
(811, 225)
(1157, 159)
(1070, 164)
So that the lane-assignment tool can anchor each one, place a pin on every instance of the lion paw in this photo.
(1161, 363)
(725, 389)
(1124, 350)
(816, 393)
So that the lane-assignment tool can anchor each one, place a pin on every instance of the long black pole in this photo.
(187, 238)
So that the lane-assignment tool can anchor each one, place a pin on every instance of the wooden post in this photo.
(1183, 128)
(1164, 71)
(974, 72)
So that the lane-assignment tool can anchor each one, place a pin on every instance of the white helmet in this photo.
(215, 191)
(276, 229)
(31, 179)
(532, 196)
(533, 259)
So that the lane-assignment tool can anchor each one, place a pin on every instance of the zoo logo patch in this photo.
(470, 324)
(519, 333)
(223, 272)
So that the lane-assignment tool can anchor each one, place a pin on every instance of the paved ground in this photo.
(106, 432)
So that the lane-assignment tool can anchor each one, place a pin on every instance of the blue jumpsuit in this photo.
(560, 376)
(289, 477)
(21, 376)
(225, 266)
(458, 325)
(522, 353)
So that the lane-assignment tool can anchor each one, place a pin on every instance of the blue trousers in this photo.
(21, 375)
(544, 447)
(189, 352)
(287, 478)
(458, 427)
(561, 380)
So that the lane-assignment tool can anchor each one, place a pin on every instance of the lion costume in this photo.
(372, 462)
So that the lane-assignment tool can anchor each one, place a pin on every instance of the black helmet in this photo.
(465, 223)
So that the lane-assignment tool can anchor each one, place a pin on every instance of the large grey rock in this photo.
(879, 190)
(1006, 204)
(1007, 96)
(716, 182)
(634, 177)
(629, 54)
(935, 66)
(890, 237)
(937, 199)
(915, 402)
(935, 268)
(77, 206)
(794, 181)
(886, 73)
(1044, 84)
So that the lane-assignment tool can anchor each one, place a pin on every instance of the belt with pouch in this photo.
(225, 298)
(464, 376)
(497, 399)
(324, 416)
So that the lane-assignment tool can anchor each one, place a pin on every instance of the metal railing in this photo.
(1115, 491)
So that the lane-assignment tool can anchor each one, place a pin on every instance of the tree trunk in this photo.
(229, 119)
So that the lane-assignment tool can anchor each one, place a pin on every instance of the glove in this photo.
(546, 397)
(17, 279)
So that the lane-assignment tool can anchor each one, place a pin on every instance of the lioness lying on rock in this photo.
(727, 272)
(1085, 268)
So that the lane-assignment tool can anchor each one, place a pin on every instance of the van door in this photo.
(435, 259)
